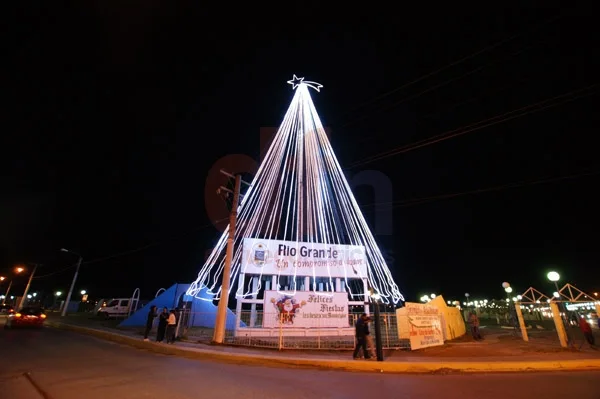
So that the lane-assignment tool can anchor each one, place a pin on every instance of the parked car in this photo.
(26, 317)
(6, 309)
(116, 307)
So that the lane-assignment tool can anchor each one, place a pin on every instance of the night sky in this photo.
(115, 115)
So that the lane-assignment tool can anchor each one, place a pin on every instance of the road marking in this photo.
(37, 386)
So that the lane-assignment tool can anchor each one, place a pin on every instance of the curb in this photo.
(345, 365)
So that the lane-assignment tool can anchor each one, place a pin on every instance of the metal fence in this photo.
(272, 330)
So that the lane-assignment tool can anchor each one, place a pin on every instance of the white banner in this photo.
(288, 258)
(306, 309)
(425, 325)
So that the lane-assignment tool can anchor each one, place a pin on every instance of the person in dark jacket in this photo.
(162, 325)
(149, 322)
(362, 330)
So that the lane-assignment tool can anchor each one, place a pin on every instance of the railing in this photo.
(288, 331)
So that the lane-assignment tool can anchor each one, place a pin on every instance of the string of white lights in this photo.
(299, 194)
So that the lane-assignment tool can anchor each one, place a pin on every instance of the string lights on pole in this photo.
(299, 194)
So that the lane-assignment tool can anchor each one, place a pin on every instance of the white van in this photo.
(116, 307)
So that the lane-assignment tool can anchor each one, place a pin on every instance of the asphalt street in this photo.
(67, 365)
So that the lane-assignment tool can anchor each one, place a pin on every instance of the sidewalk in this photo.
(493, 355)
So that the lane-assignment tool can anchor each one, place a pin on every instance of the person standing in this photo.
(149, 321)
(171, 324)
(586, 329)
(474, 322)
(369, 338)
(361, 333)
(163, 318)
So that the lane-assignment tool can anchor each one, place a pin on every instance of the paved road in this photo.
(68, 365)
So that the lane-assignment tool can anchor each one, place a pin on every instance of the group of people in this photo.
(167, 323)
(364, 340)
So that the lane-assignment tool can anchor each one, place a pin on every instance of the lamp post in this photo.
(2, 278)
(378, 344)
(554, 277)
(507, 288)
(35, 266)
(57, 295)
(66, 305)
(18, 270)
(7, 292)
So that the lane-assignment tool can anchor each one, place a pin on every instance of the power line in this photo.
(424, 200)
(56, 272)
(432, 88)
(528, 109)
(459, 61)
(131, 251)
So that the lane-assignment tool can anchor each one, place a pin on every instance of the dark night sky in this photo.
(116, 115)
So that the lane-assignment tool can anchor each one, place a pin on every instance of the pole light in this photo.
(554, 277)
(17, 270)
(66, 305)
(35, 266)
(375, 297)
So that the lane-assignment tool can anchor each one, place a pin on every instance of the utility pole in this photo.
(66, 305)
(220, 322)
(28, 285)
(378, 344)
(7, 292)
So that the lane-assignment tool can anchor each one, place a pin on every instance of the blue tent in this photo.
(202, 314)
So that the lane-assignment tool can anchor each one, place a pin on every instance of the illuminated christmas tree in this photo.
(299, 196)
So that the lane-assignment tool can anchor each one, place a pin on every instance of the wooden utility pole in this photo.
(24, 298)
(220, 322)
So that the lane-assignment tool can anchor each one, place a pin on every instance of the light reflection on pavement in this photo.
(68, 365)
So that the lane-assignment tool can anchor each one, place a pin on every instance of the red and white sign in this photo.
(290, 258)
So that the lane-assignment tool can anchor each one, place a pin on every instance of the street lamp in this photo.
(554, 277)
(35, 266)
(66, 306)
(508, 291)
(17, 270)
(375, 297)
